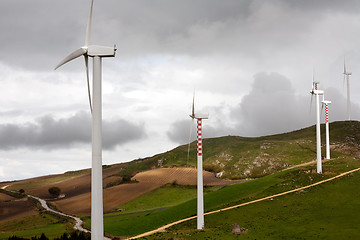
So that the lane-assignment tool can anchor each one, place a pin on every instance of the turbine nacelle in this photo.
(101, 51)
(92, 51)
(345, 72)
(200, 115)
(317, 92)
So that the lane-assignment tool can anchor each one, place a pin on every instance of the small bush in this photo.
(212, 168)
(54, 191)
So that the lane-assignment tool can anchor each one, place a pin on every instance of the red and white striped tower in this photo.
(200, 183)
(327, 128)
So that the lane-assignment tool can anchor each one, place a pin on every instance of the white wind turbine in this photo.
(97, 53)
(200, 183)
(316, 92)
(326, 103)
(347, 77)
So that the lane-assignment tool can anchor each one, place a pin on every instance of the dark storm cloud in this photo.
(49, 133)
(179, 131)
(182, 131)
(272, 106)
(33, 32)
(338, 106)
(324, 5)
(43, 32)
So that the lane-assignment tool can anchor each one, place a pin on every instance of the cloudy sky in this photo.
(250, 63)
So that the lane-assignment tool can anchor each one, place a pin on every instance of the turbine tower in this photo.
(347, 77)
(316, 92)
(200, 183)
(326, 103)
(97, 53)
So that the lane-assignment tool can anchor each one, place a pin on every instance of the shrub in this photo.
(54, 191)
(212, 168)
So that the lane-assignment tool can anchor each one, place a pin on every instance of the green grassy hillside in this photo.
(240, 157)
(130, 224)
(260, 158)
(328, 211)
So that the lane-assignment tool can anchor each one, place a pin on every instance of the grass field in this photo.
(263, 158)
(328, 211)
(34, 226)
(166, 196)
(122, 224)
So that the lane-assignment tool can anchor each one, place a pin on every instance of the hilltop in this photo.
(228, 160)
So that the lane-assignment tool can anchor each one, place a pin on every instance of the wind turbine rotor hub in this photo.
(100, 51)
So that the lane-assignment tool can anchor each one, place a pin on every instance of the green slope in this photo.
(237, 157)
(119, 224)
(240, 157)
(328, 211)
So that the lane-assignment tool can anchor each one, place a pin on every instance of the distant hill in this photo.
(230, 157)
(243, 157)
(233, 157)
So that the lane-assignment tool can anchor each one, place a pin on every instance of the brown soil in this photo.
(12, 208)
(182, 176)
(77, 188)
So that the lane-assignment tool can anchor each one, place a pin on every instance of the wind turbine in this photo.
(326, 103)
(200, 184)
(316, 92)
(347, 77)
(97, 53)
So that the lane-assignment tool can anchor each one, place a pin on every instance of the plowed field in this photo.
(77, 188)
(12, 208)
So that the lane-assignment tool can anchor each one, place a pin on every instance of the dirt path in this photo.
(162, 229)
(306, 164)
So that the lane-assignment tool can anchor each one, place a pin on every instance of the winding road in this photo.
(79, 222)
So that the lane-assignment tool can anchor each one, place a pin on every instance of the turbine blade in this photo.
(311, 100)
(188, 152)
(88, 27)
(193, 106)
(88, 81)
(72, 56)
(313, 79)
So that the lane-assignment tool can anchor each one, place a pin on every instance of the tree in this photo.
(54, 191)
(43, 237)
